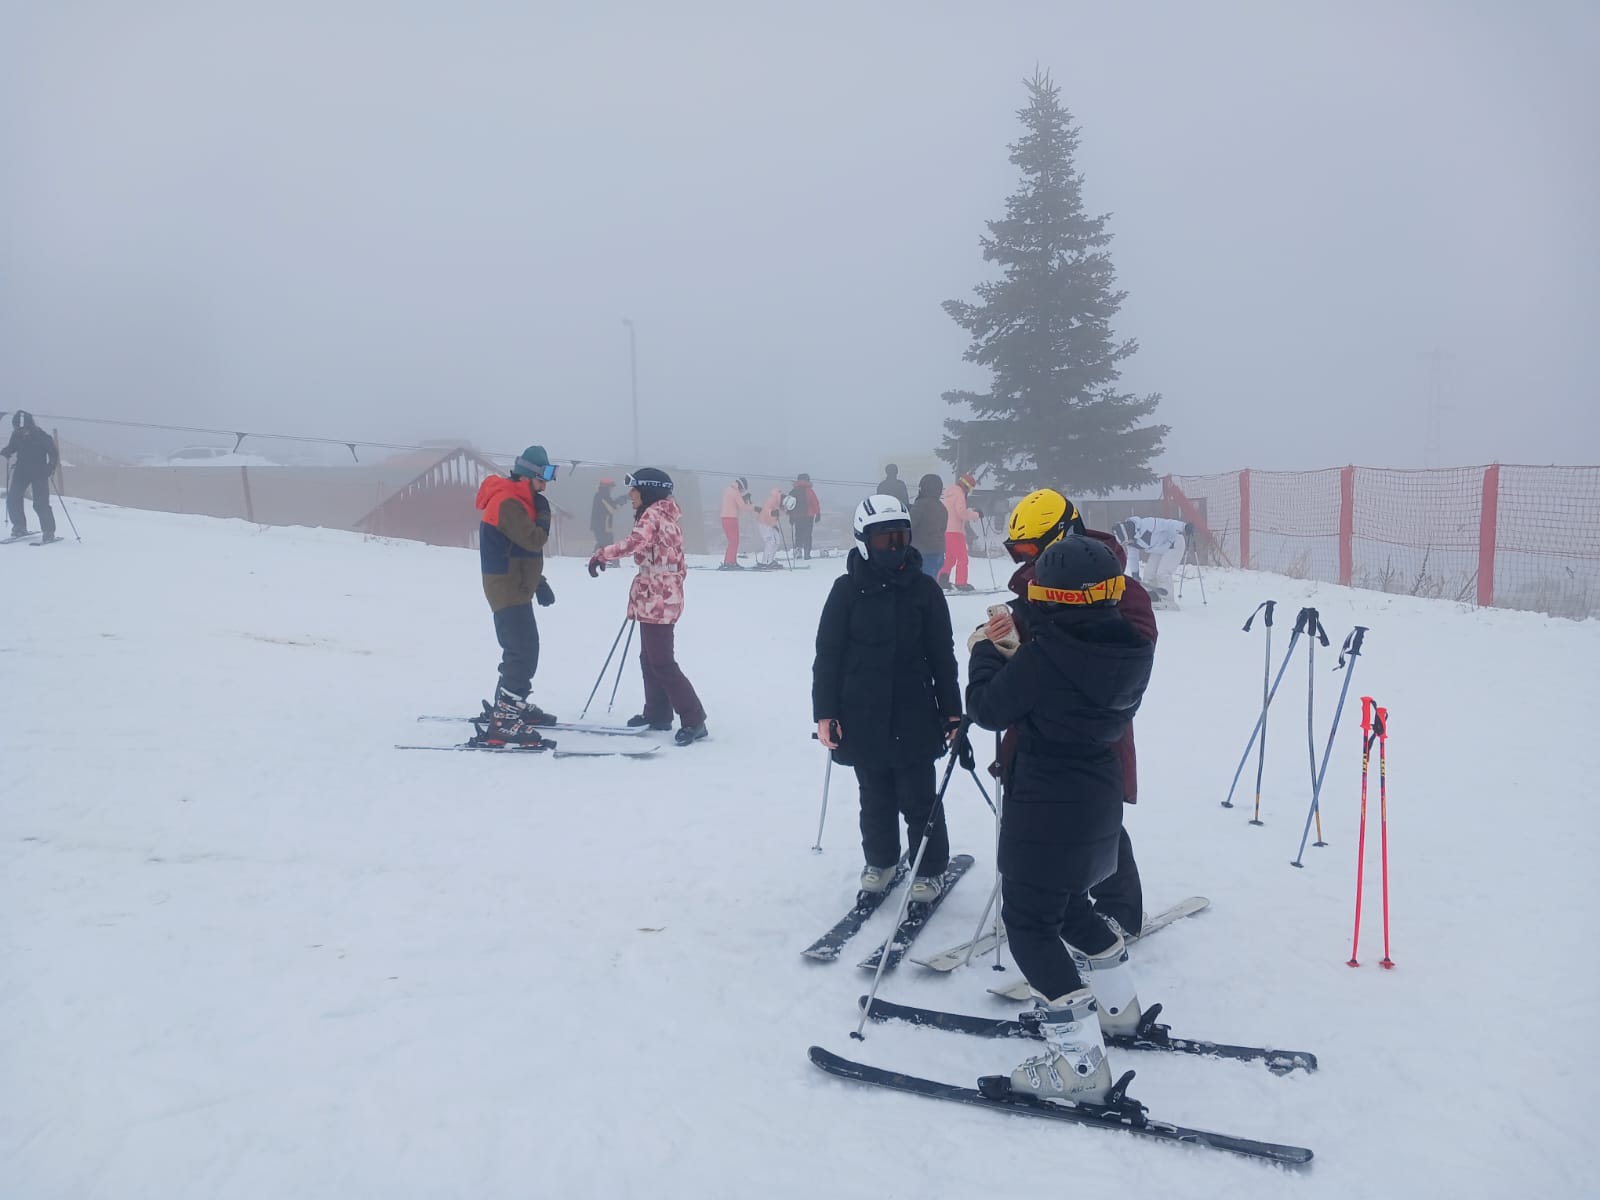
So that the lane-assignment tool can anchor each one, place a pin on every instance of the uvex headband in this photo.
(1109, 589)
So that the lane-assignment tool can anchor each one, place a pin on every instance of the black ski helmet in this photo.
(21, 419)
(1077, 571)
(652, 483)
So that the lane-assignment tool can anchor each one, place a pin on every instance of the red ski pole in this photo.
(1361, 841)
(1383, 822)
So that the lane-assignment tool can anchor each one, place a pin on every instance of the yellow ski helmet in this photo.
(1039, 519)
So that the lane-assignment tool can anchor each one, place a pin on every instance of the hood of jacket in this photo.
(1106, 658)
(929, 486)
(865, 574)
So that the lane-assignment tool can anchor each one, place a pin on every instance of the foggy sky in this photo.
(400, 221)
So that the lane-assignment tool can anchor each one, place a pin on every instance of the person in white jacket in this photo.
(1155, 547)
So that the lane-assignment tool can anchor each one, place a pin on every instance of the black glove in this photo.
(596, 565)
(546, 594)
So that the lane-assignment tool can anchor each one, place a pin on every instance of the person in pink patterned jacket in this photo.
(655, 601)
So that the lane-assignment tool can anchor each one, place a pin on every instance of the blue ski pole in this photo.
(1299, 628)
(1352, 649)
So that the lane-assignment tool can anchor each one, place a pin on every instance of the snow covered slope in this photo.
(247, 949)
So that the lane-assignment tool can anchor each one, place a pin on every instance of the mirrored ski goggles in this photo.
(1106, 589)
(546, 472)
(1024, 550)
(896, 537)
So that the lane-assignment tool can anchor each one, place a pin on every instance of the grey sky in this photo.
(396, 221)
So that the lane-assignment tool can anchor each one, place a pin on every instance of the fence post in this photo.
(1488, 525)
(249, 503)
(1347, 524)
(1244, 519)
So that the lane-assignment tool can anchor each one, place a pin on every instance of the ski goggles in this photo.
(1106, 589)
(546, 472)
(895, 538)
(1024, 550)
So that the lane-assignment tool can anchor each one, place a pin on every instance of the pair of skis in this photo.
(23, 537)
(549, 746)
(827, 947)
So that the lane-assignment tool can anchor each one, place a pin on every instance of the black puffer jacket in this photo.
(886, 665)
(1071, 692)
(929, 517)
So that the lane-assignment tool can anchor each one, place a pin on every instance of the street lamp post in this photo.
(633, 378)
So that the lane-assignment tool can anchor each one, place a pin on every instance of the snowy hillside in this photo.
(249, 950)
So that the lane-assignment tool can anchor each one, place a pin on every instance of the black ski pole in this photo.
(1288, 654)
(1266, 667)
(1315, 629)
(621, 662)
(604, 666)
(960, 749)
(1352, 649)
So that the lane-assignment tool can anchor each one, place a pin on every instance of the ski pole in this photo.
(1352, 649)
(65, 512)
(621, 662)
(827, 779)
(1315, 629)
(999, 816)
(603, 668)
(1383, 824)
(777, 520)
(983, 527)
(956, 746)
(1361, 839)
(1261, 751)
(1299, 628)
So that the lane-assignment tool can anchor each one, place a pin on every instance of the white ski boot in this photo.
(877, 879)
(1073, 1066)
(925, 889)
(1111, 979)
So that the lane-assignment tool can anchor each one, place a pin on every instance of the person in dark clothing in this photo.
(804, 509)
(37, 459)
(886, 695)
(1038, 520)
(512, 532)
(929, 519)
(893, 485)
(1070, 691)
(601, 512)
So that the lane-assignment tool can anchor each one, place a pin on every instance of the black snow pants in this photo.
(21, 480)
(887, 793)
(519, 640)
(1121, 896)
(1038, 922)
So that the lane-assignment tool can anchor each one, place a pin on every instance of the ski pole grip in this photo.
(1352, 644)
(1250, 620)
(1305, 621)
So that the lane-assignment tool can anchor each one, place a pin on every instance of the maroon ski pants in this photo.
(666, 688)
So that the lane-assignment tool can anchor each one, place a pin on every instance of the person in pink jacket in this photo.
(735, 500)
(767, 521)
(655, 601)
(955, 536)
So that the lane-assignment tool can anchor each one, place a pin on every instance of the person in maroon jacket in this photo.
(1039, 519)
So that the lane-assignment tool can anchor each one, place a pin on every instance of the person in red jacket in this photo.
(1040, 519)
(804, 509)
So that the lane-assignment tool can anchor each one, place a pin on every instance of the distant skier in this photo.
(1155, 547)
(893, 485)
(735, 500)
(885, 692)
(804, 508)
(656, 601)
(767, 517)
(512, 534)
(955, 538)
(929, 520)
(37, 459)
(1070, 691)
(601, 512)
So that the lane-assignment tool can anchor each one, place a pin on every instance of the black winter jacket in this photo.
(929, 517)
(35, 450)
(1071, 692)
(886, 665)
(893, 485)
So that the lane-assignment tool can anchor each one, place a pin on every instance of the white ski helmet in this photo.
(879, 512)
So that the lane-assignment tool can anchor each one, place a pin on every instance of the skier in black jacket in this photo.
(1071, 692)
(37, 458)
(885, 692)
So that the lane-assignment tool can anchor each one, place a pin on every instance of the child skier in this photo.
(955, 538)
(1071, 692)
(767, 517)
(885, 692)
(735, 500)
(655, 601)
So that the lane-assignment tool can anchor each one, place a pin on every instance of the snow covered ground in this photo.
(247, 949)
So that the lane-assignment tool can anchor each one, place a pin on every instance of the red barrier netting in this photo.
(1515, 537)
(1547, 545)
(1416, 533)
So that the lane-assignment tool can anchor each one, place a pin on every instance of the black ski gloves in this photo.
(546, 594)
